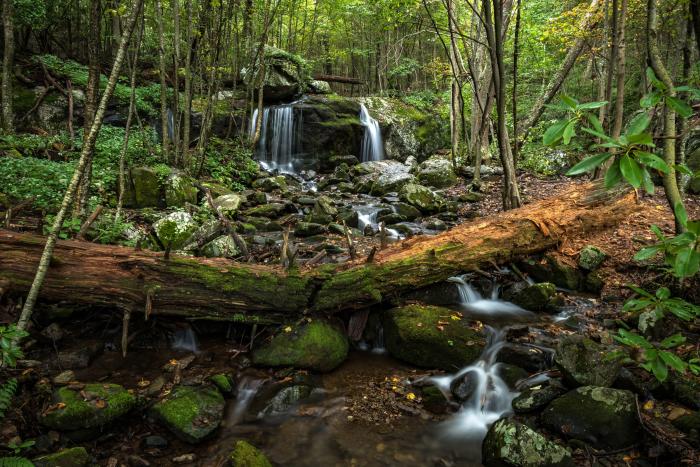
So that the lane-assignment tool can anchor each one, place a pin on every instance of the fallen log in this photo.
(338, 79)
(112, 276)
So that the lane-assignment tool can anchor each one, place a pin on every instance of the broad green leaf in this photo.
(681, 214)
(646, 253)
(650, 100)
(652, 160)
(659, 369)
(673, 361)
(680, 107)
(631, 171)
(613, 176)
(685, 264)
(663, 293)
(693, 227)
(651, 76)
(588, 164)
(644, 139)
(638, 124)
(657, 231)
(554, 133)
(682, 168)
(597, 126)
(647, 183)
(592, 105)
(569, 132)
(569, 101)
(640, 291)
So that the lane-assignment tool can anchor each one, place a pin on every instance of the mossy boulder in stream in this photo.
(590, 257)
(431, 337)
(509, 443)
(605, 418)
(437, 172)
(534, 297)
(72, 457)
(93, 406)
(421, 197)
(585, 362)
(191, 413)
(245, 454)
(316, 345)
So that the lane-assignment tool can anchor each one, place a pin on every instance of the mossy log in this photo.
(110, 276)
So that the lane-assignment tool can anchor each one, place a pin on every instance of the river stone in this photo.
(308, 229)
(316, 346)
(584, 362)
(71, 457)
(146, 187)
(228, 203)
(179, 190)
(431, 337)
(590, 257)
(537, 397)
(245, 454)
(93, 406)
(434, 400)
(224, 383)
(191, 413)
(535, 297)
(324, 206)
(221, 247)
(271, 183)
(317, 86)
(284, 400)
(406, 210)
(606, 418)
(463, 387)
(270, 210)
(509, 443)
(421, 197)
(175, 229)
(381, 177)
(437, 172)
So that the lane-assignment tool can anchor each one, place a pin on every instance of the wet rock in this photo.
(509, 443)
(406, 210)
(269, 184)
(536, 398)
(80, 357)
(229, 204)
(440, 294)
(284, 400)
(603, 417)
(146, 185)
(593, 282)
(638, 381)
(175, 229)
(316, 345)
(63, 378)
(554, 269)
(71, 457)
(221, 247)
(511, 374)
(421, 197)
(270, 210)
(431, 337)
(93, 406)
(690, 425)
(535, 297)
(391, 218)
(684, 389)
(179, 190)
(590, 257)
(190, 413)
(434, 224)
(324, 206)
(319, 87)
(584, 362)
(336, 161)
(155, 441)
(434, 400)
(462, 388)
(437, 172)
(308, 229)
(53, 332)
(245, 454)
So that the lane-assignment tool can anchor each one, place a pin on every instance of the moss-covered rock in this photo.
(690, 425)
(269, 184)
(537, 397)
(179, 190)
(175, 229)
(223, 383)
(437, 172)
(535, 297)
(509, 443)
(431, 337)
(603, 417)
(93, 406)
(269, 210)
(421, 197)
(221, 247)
(245, 454)
(146, 185)
(584, 362)
(308, 229)
(590, 257)
(229, 204)
(72, 457)
(191, 413)
(555, 269)
(316, 345)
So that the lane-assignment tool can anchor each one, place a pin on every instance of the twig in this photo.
(370, 257)
(125, 331)
(90, 220)
(317, 258)
(348, 240)
(37, 102)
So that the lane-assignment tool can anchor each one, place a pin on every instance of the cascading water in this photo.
(372, 148)
(367, 215)
(247, 389)
(473, 302)
(185, 339)
(280, 134)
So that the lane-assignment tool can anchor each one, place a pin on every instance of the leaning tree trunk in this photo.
(111, 276)
(7, 64)
(68, 198)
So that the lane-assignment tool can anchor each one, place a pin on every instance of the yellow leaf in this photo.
(288, 329)
(649, 405)
(410, 396)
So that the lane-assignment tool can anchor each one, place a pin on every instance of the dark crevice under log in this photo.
(118, 277)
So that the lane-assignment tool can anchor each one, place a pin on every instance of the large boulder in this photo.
(145, 188)
(316, 345)
(70, 457)
(179, 190)
(175, 229)
(381, 177)
(191, 413)
(221, 247)
(268, 184)
(92, 406)
(228, 204)
(533, 297)
(285, 75)
(536, 398)
(584, 362)
(437, 172)
(509, 443)
(421, 197)
(431, 337)
(245, 454)
(606, 418)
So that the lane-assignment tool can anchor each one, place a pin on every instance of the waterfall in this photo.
(280, 135)
(473, 302)
(246, 391)
(372, 145)
(185, 339)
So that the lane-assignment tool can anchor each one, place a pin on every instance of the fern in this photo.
(7, 391)
(15, 462)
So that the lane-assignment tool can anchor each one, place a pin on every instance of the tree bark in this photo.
(163, 82)
(7, 64)
(111, 276)
(68, 197)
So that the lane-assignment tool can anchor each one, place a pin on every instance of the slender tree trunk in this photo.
(516, 54)
(163, 82)
(176, 82)
(673, 195)
(695, 15)
(188, 86)
(7, 65)
(85, 153)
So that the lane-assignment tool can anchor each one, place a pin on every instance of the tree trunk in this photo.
(188, 87)
(163, 82)
(673, 195)
(695, 16)
(7, 65)
(112, 276)
(68, 198)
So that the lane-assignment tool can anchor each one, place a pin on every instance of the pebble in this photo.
(185, 458)
(155, 441)
(64, 377)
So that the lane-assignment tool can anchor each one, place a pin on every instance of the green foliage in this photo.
(657, 359)
(15, 462)
(661, 303)
(230, 163)
(17, 448)
(109, 231)
(71, 227)
(30, 13)
(43, 180)
(7, 392)
(661, 94)
(28, 144)
(10, 350)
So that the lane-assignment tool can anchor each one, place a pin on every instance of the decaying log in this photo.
(113, 276)
(338, 79)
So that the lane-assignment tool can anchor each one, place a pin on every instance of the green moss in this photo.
(191, 413)
(511, 443)
(72, 457)
(223, 383)
(316, 345)
(342, 122)
(105, 403)
(246, 455)
(431, 337)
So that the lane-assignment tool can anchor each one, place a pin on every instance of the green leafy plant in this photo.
(654, 307)
(70, 228)
(15, 462)
(7, 392)
(17, 448)
(10, 351)
(655, 358)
